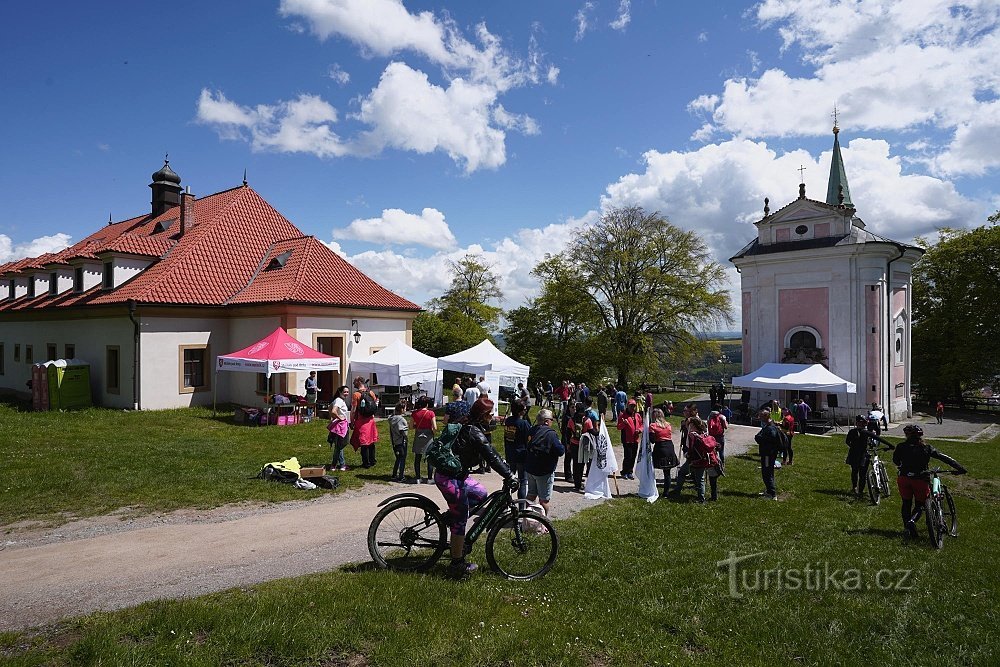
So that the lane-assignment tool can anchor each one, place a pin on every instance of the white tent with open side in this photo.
(479, 359)
(398, 364)
(801, 377)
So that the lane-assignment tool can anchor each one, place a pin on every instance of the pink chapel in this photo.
(818, 286)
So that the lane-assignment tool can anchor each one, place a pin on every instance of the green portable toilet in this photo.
(69, 384)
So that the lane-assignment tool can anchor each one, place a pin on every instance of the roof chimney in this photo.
(166, 188)
(187, 211)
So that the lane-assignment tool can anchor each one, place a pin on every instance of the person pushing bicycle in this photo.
(861, 443)
(472, 446)
(912, 456)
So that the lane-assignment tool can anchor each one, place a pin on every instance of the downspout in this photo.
(135, 354)
(891, 332)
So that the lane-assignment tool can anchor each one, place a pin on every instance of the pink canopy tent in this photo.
(276, 353)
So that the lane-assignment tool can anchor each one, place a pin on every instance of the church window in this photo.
(802, 339)
(899, 344)
(801, 229)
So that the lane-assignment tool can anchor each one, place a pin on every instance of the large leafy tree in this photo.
(956, 313)
(652, 285)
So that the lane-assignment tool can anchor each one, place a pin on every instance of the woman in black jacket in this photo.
(472, 446)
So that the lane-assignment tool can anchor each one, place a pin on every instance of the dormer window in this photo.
(279, 261)
(109, 275)
(31, 287)
(11, 285)
(163, 226)
(53, 285)
(78, 279)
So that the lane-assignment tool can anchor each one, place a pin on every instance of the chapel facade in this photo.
(817, 286)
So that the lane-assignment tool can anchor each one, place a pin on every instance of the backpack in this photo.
(538, 443)
(715, 427)
(703, 447)
(367, 404)
(443, 457)
(578, 427)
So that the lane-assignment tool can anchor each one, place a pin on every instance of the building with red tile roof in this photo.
(152, 300)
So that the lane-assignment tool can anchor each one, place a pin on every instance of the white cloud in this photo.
(582, 20)
(895, 65)
(398, 227)
(719, 190)
(703, 133)
(43, 244)
(302, 125)
(420, 278)
(337, 73)
(702, 36)
(461, 117)
(624, 16)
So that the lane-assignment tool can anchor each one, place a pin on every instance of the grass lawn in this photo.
(635, 584)
(64, 465)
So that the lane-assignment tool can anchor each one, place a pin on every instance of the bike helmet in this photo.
(861, 418)
(913, 429)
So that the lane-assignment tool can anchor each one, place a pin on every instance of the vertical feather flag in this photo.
(645, 472)
(603, 464)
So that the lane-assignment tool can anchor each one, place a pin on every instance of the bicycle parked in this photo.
(938, 510)
(410, 533)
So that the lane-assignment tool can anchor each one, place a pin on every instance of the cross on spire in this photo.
(836, 129)
(802, 177)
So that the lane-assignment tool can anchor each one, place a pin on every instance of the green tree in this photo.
(652, 286)
(956, 315)
(474, 285)
(557, 332)
(438, 336)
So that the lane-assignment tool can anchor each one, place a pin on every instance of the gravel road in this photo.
(112, 562)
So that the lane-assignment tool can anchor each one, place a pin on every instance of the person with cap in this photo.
(913, 456)
(630, 424)
(472, 445)
(857, 454)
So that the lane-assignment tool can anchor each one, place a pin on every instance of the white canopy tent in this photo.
(801, 377)
(399, 364)
(485, 356)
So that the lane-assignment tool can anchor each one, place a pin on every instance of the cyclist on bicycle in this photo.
(472, 446)
(912, 456)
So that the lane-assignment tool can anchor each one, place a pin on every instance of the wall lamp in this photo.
(357, 333)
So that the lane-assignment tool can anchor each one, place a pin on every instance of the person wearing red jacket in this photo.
(630, 425)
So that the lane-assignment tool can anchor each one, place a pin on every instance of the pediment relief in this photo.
(803, 209)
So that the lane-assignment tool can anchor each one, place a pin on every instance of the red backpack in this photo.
(703, 454)
(715, 427)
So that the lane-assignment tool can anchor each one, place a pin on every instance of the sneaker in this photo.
(461, 568)
(910, 529)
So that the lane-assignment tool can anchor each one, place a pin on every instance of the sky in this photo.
(405, 134)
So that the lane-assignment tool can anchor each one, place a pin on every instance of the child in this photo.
(398, 428)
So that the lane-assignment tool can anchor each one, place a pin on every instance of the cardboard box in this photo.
(312, 471)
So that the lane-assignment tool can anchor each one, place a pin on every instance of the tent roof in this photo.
(804, 377)
(481, 358)
(397, 358)
(277, 353)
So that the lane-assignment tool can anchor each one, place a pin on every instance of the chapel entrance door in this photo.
(328, 381)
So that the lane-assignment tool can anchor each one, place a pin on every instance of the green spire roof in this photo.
(838, 177)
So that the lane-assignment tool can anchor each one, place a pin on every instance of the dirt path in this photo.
(108, 563)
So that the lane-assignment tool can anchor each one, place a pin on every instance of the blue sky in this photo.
(404, 134)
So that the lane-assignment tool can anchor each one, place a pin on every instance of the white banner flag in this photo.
(645, 472)
(603, 464)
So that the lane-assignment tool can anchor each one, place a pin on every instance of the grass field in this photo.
(635, 584)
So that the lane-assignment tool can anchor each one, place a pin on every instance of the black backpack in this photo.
(367, 404)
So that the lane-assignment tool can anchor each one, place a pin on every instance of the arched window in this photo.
(899, 339)
(801, 339)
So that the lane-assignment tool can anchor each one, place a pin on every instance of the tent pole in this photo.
(215, 391)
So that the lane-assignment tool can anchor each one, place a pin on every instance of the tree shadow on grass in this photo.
(878, 532)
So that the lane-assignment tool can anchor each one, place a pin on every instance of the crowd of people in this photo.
(566, 426)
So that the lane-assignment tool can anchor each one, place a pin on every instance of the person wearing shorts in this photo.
(912, 457)
(542, 456)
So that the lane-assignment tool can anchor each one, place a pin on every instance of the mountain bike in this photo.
(878, 478)
(938, 510)
(410, 533)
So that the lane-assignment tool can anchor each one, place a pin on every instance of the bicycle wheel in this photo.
(407, 535)
(935, 522)
(950, 514)
(883, 476)
(523, 548)
(874, 488)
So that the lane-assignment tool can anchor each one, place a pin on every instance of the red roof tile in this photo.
(221, 259)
